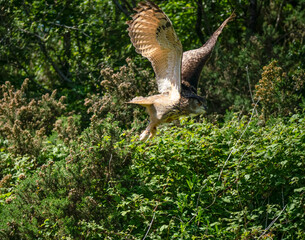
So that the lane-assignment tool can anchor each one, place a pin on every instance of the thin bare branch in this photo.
(70, 27)
(254, 108)
(270, 225)
(49, 59)
(122, 8)
(198, 21)
(151, 222)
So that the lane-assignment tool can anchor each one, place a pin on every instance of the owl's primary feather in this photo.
(153, 36)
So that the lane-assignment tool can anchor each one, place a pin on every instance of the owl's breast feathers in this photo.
(176, 110)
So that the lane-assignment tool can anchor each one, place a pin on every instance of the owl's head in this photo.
(197, 105)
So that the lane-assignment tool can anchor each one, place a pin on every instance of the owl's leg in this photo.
(149, 132)
(144, 135)
(153, 131)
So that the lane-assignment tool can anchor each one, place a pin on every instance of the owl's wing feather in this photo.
(153, 36)
(194, 60)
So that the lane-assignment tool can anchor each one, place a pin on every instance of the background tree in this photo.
(74, 168)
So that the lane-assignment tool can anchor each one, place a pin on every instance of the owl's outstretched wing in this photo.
(194, 60)
(153, 36)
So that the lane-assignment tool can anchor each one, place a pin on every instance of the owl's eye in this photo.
(197, 102)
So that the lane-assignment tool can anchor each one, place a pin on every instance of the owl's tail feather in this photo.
(141, 101)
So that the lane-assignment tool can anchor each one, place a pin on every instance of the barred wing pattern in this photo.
(153, 36)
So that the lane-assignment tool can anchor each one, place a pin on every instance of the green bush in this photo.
(261, 174)
(200, 180)
(78, 171)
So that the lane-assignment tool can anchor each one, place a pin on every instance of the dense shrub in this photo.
(118, 88)
(278, 93)
(62, 196)
(78, 171)
(24, 121)
(200, 180)
(225, 182)
(68, 129)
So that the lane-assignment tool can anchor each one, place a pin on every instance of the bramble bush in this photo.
(24, 121)
(201, 180)
(236, 179)
(65, 174)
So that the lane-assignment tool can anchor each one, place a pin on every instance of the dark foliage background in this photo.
(71, 166)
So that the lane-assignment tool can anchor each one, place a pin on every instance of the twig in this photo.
(250, 90)
(152, 220)
(121, 7)
(267, 214)
(270, 225)
(248, 79)
(109, 169)
(212, 202)
(243, 157)
(238, 141)
(109, 164)
(155, 209)
(283, 200)
(197, 203)
(69, 27)
(279, 15)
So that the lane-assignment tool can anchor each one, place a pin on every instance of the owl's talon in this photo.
(144, 135)
(152, 132)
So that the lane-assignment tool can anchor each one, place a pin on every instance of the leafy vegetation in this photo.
(71, 164)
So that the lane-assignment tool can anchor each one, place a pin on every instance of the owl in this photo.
(177, 73)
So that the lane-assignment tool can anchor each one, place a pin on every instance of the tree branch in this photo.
(253, 15)
(128, 5)
(134, 4)
(198, 21)
(31, 78)
(42, 46)
(278, 18)
(207, 26)
(69, 27)
(122, 8)
(49, 59)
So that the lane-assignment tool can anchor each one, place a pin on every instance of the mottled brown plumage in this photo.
(194, 60)
(153, 36)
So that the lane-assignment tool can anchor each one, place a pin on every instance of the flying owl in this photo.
(177, 73)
